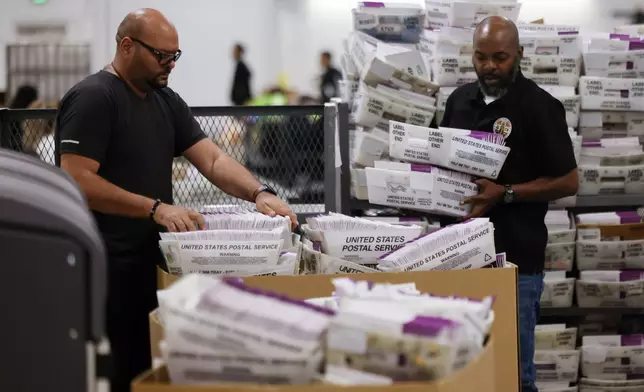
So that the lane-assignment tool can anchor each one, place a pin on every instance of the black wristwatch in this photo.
(508, 195)
(154, 208)
(264, 188)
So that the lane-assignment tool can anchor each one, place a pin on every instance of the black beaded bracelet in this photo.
(153, 210)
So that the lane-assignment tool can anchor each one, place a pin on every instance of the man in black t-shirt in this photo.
(240, 93)
(329, 82)
(118, 133)
(540, 167)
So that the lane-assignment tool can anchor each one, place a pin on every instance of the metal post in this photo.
(331, 177)
(345, 170)
(3, 125)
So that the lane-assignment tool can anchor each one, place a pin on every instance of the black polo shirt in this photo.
(534, 124)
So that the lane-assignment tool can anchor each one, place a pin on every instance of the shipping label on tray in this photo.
(555, 294)
(556, 340)
(557, 365)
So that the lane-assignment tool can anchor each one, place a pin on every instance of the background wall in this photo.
(280, 35)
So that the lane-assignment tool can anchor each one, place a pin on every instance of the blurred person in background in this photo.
(636, 16)
(26, 97)
(119, 131)
(330, 78)
(540, 167)
(241, 92)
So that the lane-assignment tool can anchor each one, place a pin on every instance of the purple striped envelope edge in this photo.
(240, 285)
(373, 4)
(631, 340)
(428, 326)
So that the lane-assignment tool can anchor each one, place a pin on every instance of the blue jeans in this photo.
(530, 288)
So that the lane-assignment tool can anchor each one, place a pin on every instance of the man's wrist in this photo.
(508, 194)
(262, 189)
(499, 194)
(147, 206)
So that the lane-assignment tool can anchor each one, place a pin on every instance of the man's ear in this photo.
(520, 50)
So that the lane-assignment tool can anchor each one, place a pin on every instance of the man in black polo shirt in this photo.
(119, 131)
(540, 167)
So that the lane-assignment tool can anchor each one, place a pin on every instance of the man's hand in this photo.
(272, 205)
(490, 193)
(178, 219)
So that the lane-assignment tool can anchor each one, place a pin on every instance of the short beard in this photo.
(506, 82)
(155, 85)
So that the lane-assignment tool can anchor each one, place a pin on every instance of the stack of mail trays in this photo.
(610, 258)
(558, 291)
(612, 363)
(337, 243)
(612, 117)
(398, 160)
(556, 358)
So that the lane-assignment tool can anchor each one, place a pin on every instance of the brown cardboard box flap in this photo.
(477, 376)
(627, 232)
(156, 334)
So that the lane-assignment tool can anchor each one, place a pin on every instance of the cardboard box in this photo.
(498, 282)
(477, 376)
(611, 94)
(156, 333)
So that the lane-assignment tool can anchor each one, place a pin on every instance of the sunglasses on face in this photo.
(164, 58)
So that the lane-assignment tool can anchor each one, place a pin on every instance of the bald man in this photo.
(540, 167)
(119, 131)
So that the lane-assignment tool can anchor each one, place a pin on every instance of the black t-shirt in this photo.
(329, 84)
(135, 141)
(534, 124)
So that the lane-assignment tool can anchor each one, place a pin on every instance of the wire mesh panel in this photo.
(282, 146)
(29, 131)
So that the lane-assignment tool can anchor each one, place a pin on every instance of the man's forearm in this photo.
(105, 197)
(233, 178)
(546, 189)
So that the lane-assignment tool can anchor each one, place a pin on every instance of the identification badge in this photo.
(503, 126)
